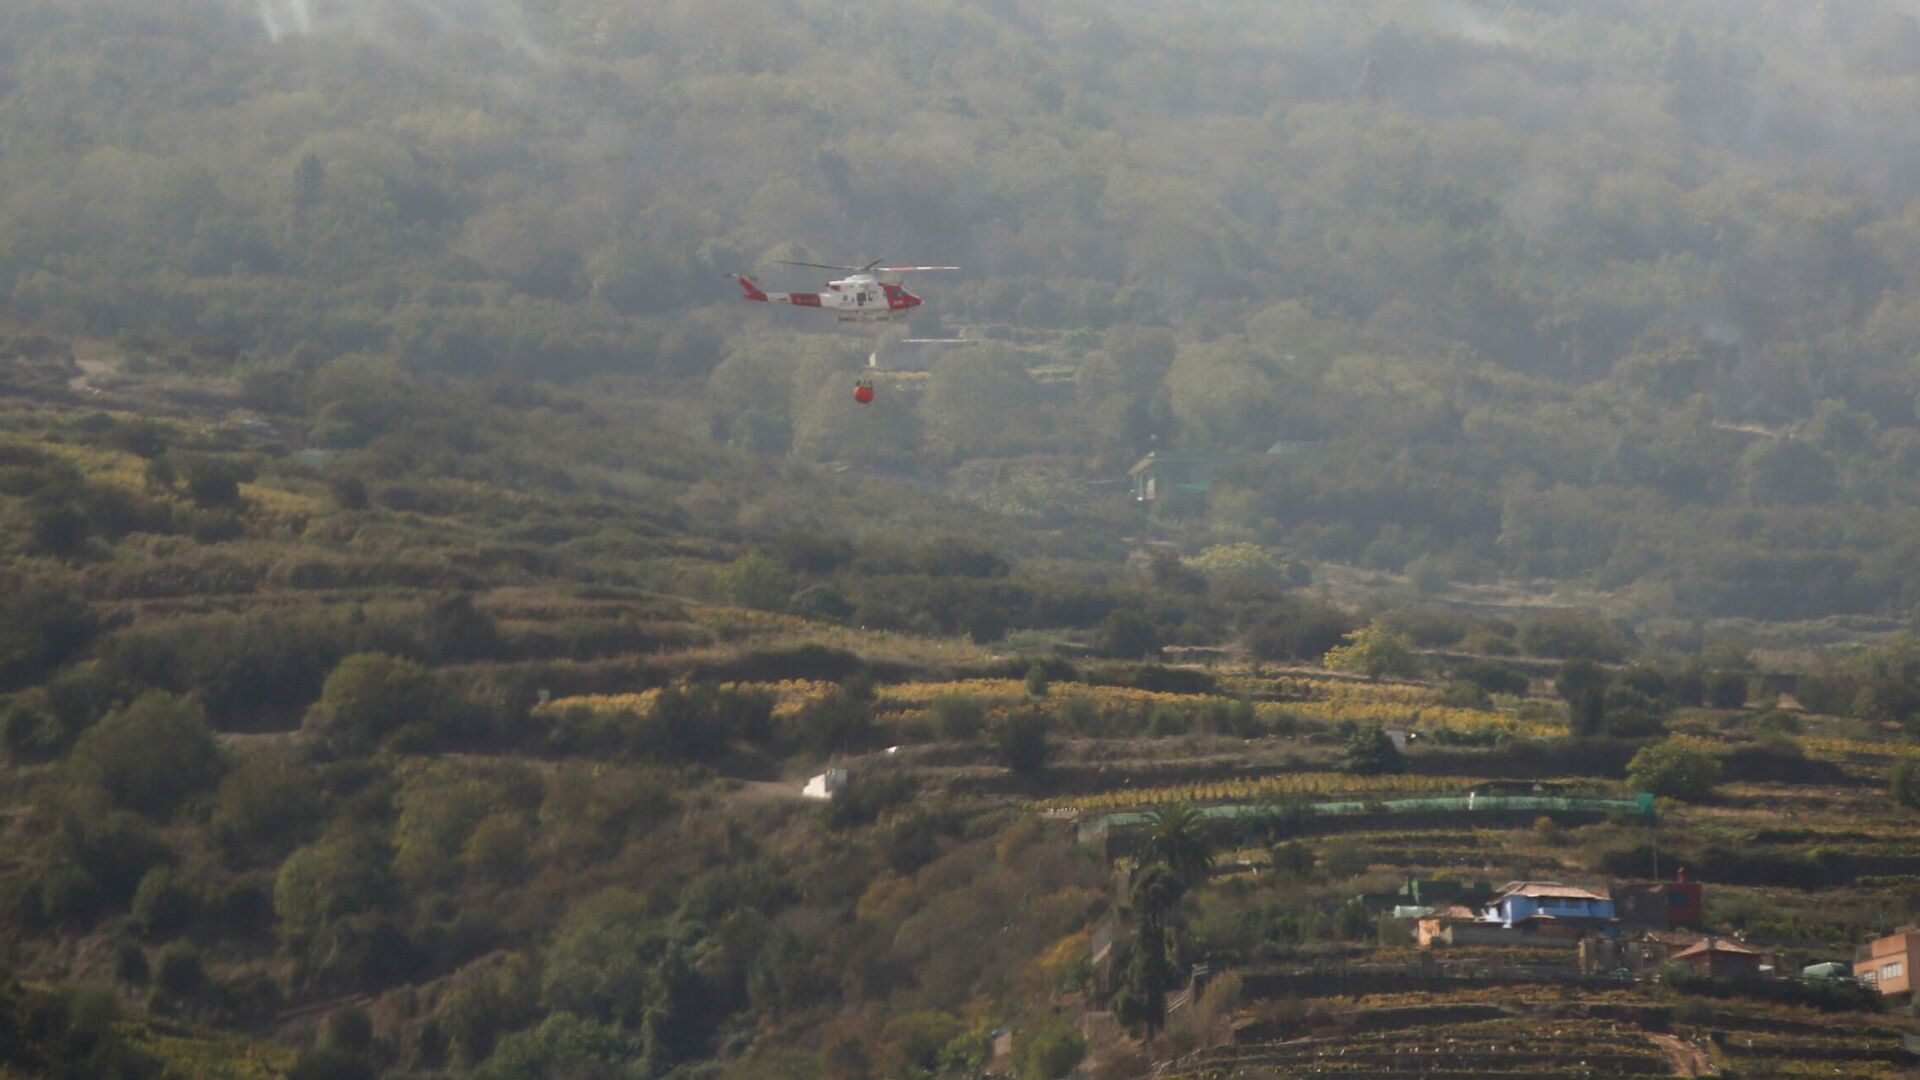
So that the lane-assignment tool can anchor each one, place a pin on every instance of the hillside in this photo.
(1637, 322)
(478, 751)
(1370, 454)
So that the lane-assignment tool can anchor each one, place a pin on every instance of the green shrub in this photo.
(161, 904)
(151, 754)
(868, 794)
(212, 482)
(1370, 752)
(958, 717)
(1129, 634)
(368, 698)
(177, 973)
(836, 723)
(1300, 630)
(1293, 860)
(1021, 742)
(40, 627)
(821, 601)
(322, 883)
(268, 803)
(1374, 651)
(1572, 635)
(1904, 781)
(1676, 770)
(29, 734)
(1048, 1050)
(563, 1045)
(1464, 694)
(755, 581)
(1629, 713)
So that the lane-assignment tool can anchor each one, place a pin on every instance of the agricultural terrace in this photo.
(429, 743)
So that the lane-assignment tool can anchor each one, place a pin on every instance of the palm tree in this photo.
(1150, 974)
(1177, 840)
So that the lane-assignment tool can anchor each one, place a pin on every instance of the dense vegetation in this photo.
(1506, 308)
(424, 588)
(424, 769)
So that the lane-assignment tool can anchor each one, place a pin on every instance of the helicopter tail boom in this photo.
(754, 292)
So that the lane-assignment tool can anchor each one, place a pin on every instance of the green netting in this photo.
(1641, 804)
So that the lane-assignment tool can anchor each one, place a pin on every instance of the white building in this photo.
(826, 784)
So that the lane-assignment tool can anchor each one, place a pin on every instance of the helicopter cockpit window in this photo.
(863, 297)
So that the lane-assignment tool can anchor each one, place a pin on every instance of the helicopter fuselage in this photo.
(858, 298)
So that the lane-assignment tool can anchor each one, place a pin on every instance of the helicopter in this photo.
(859, 297)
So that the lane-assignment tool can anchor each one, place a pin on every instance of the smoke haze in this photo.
(389, 23)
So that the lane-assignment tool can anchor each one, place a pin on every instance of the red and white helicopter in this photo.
(859, 297)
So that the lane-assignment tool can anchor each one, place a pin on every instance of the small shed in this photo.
(826, 785)
(1721, 956)
(1161, 475)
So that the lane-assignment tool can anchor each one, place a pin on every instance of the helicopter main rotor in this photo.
(871, 268)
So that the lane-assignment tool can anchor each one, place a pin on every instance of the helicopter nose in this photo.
(912, 300)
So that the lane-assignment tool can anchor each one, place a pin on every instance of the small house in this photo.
(1647, 951)
(1551, 909)
(1457, 925)
(1887, 963)
(1659, 905)
(826, 785)
(1722, 956)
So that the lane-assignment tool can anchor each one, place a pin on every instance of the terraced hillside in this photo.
(479, 750)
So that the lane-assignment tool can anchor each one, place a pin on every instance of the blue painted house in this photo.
(1551, 909)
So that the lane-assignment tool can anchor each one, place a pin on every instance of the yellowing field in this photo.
(1423, 717)
(1304, 686)
(598, 703)
(1259, 789)
(213, 1057)
(1828, 748)
(1390, 705)
(789, 697)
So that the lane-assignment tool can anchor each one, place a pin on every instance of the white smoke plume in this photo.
(395, 23)
(283, 17)
(1462, 21)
